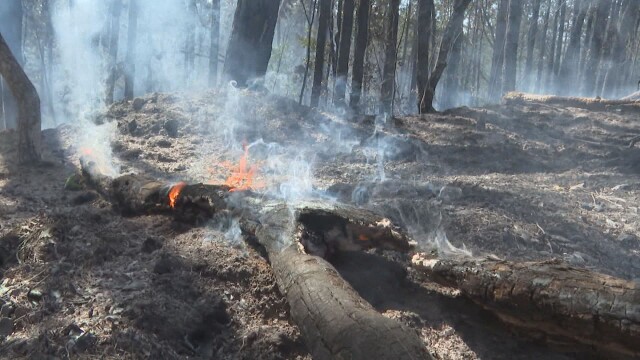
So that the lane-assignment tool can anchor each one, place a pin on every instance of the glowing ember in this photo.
(86, 151)
(363, 237)
(174, 192)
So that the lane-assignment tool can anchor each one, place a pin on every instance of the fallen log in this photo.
(593, 104)
(334, 321)
(549, 297)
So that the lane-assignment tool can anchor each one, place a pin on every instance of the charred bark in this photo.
(26, 96)
(425, 11)
(497, 59)
(451, 32)
(344, 50)
(595, 51)
(390, 58)
(130, 62)
(568, 71)
(321, 44)
(549, 297)
(359, 51)
(114, 35)
(249, 50)
(531, 42)
(335, 322)
(214, 41)
(511, 45)
(11, 22)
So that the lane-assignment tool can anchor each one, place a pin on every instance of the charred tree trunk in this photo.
(552, 53)
(550, 297)
(620, 35)
(543, 48)
(344, 50)
(568, 69)
(29, 137)
(323, 305)
(249, 50)
(497, 59)
(130, 62)
(190, 43)
(11, 22)
(114, 35)
(511, 45)
(214, 41)
(390, 58)
(310, 19)
(531, 43)
(321, 44)
(359, 52)
(425, 10)
(559, 43)
(595, 51)
(451, 84)
(451, 32)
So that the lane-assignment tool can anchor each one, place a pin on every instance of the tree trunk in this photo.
(114, 35)
(452, 81)
(215, 39)
(29, 137)
(425, 10)
(334, 321)
(559, 43)
(511, 45)
(451, 32)
(568, 71)
(531, 43)
(497, 59)
(616, 54)
(11, 22)
(344, 50)
(130, 61)
(628, 30)
(190, 42)
(249, 50)
(595, 52)
(321, 44)
(359, 52)
(310, 20)
(552, 53)
(550, 297)
(390, 58)
(543, 48)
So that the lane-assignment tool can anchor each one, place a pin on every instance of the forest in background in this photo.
(83, 54)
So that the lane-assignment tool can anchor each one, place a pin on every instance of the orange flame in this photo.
(242, 175)
(174, 193)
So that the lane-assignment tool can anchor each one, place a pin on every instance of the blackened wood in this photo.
(549, 297)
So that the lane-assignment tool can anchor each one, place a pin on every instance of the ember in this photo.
(174, 192)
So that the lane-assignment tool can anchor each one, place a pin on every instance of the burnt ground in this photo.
(78, 280)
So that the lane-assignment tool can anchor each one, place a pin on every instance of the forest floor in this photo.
(77, 279)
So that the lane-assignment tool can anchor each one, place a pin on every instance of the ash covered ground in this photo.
(520, 182)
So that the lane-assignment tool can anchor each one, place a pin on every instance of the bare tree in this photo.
(568, 68)
(321, 44)
(29, 137)
(531, 42)
(359, 51)
(344, 49)
(497, 58)
(451, 32)
(595, 50)
(390, 57)
(215, 39)
(425, 12)
(130, 61)
(249, 50)
(511, 45)
(114, 35)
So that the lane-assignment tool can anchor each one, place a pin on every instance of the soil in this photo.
(520, 182)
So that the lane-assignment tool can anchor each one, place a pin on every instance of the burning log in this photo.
(335, 322)
(550, 297)
(593, 104)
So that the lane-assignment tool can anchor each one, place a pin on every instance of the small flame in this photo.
(243, 175)
(363, 237)
(174, 193)
(86, 151)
